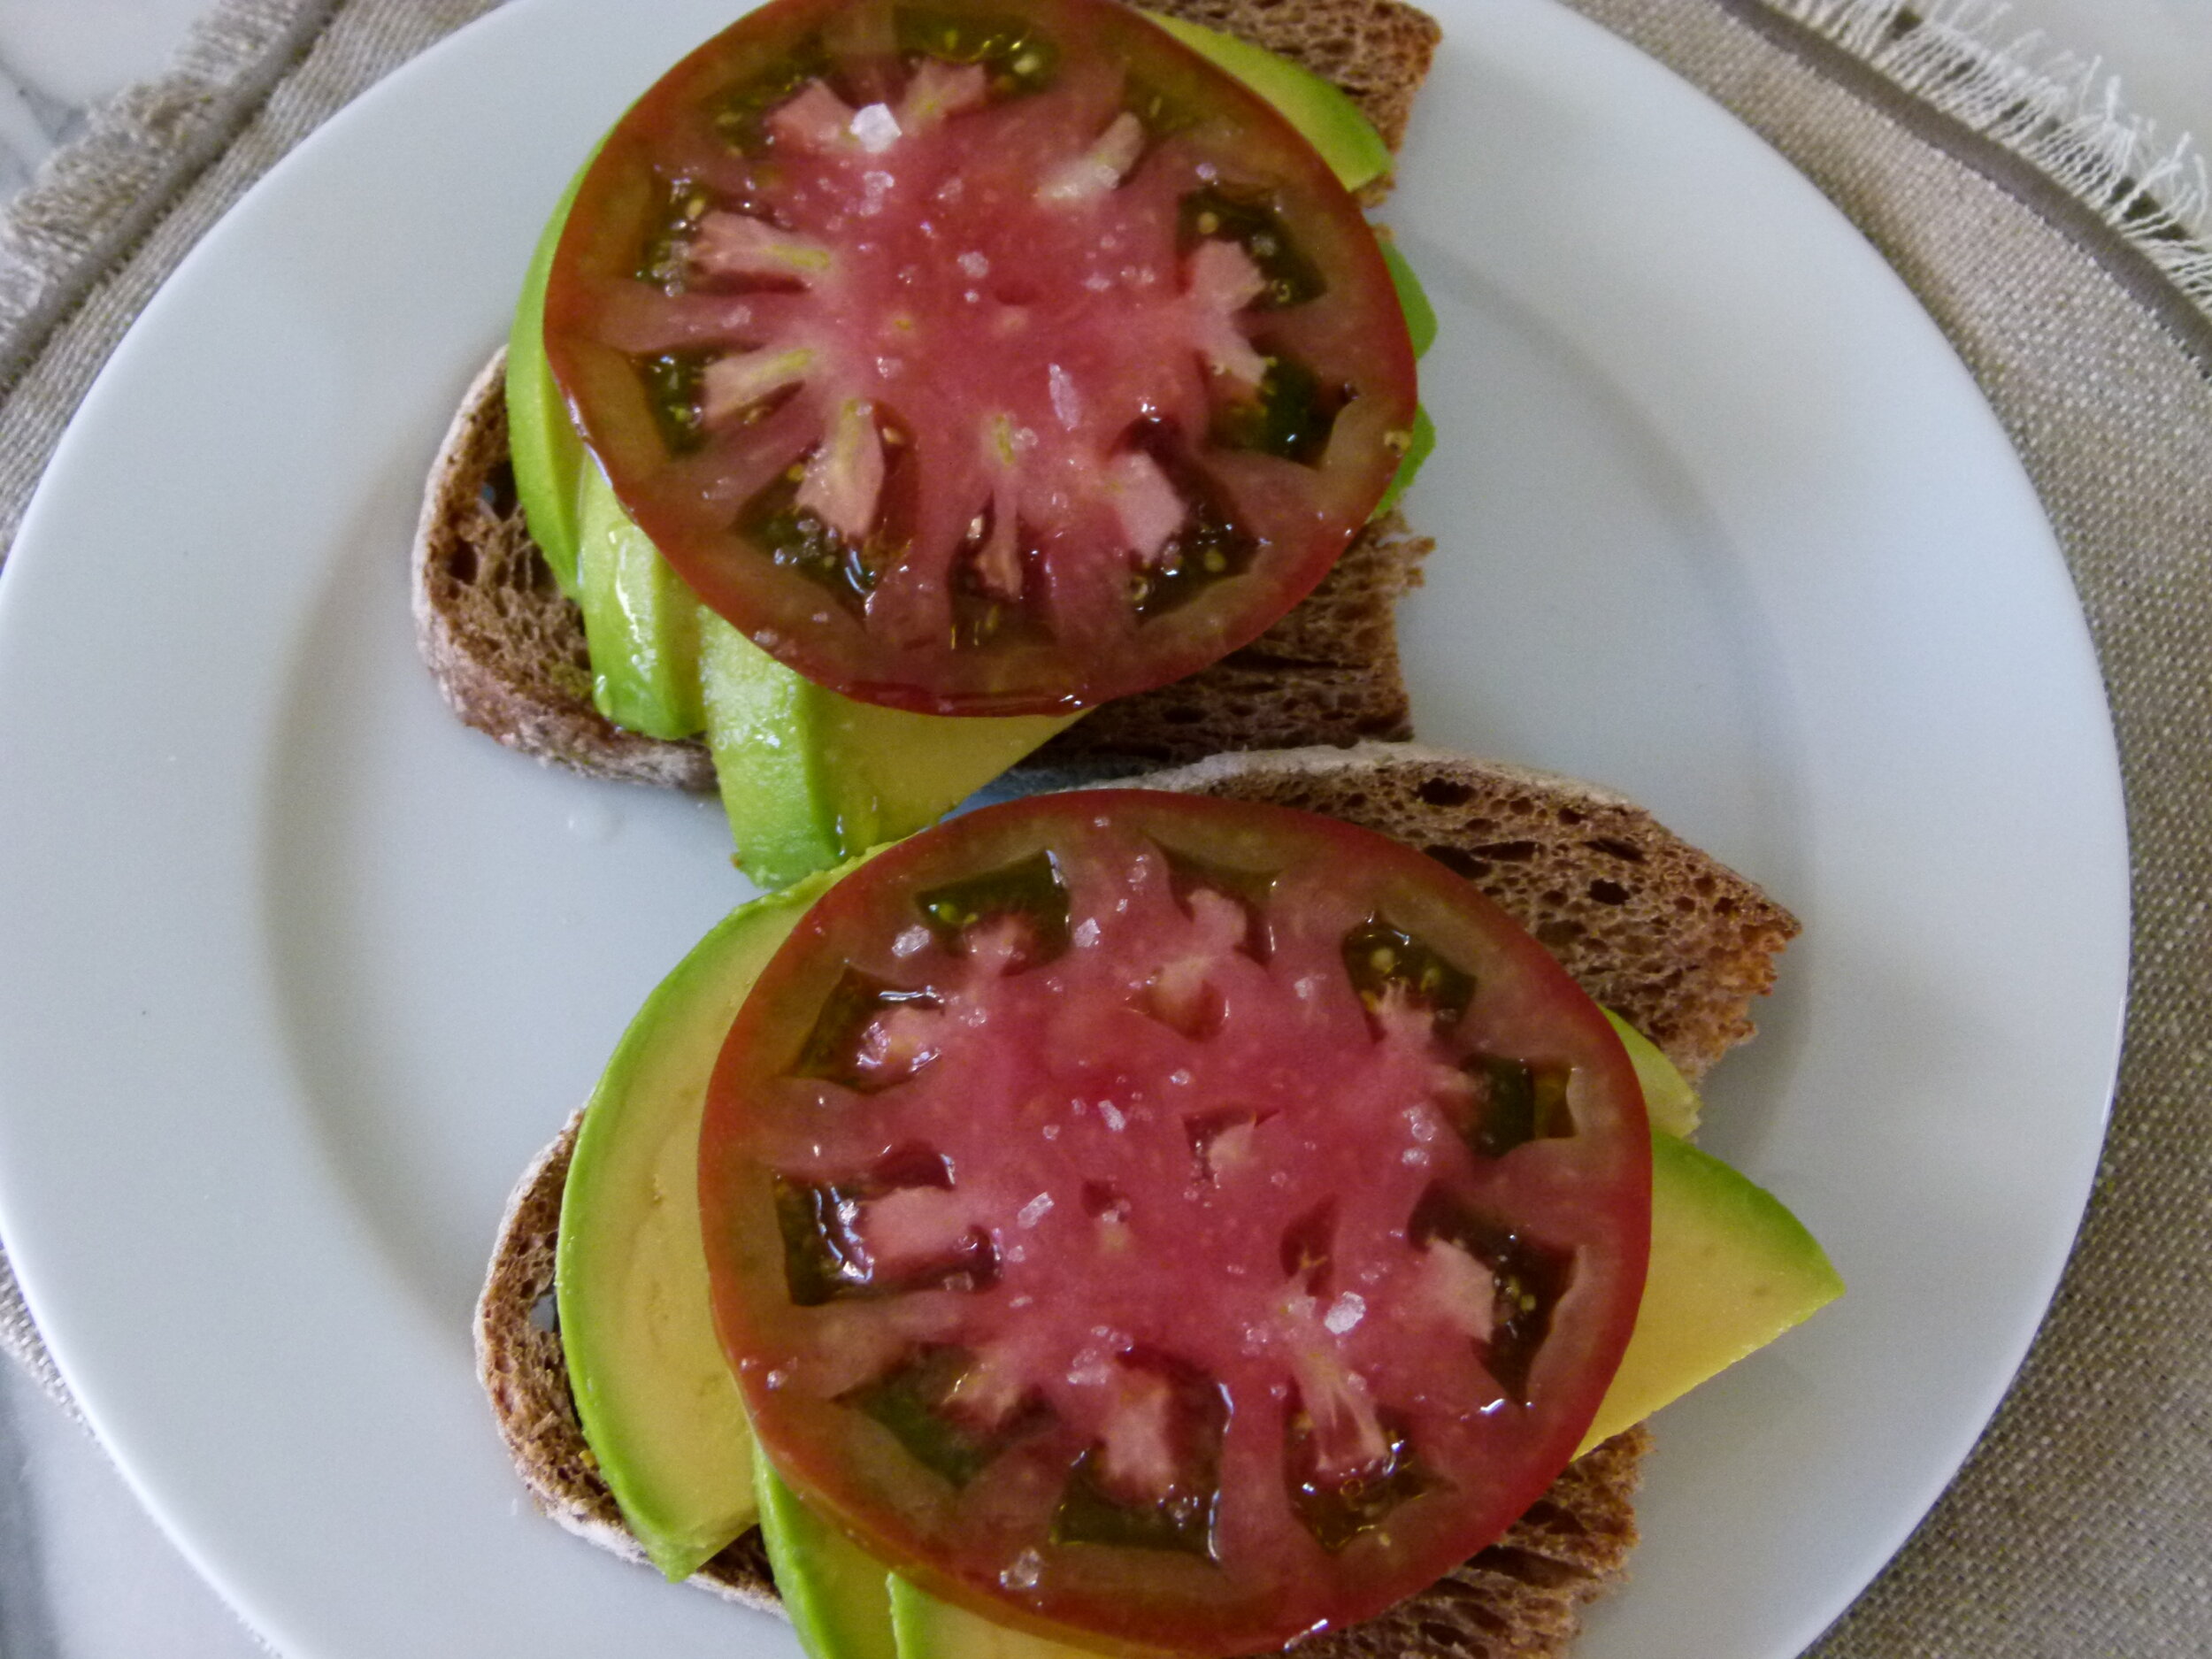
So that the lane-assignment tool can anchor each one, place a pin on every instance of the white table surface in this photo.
(84, 1573)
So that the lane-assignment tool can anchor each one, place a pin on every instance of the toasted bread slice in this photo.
(507, 646)
(1666, 935)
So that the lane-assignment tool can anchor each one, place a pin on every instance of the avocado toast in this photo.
(1671, 941)
(819, 772)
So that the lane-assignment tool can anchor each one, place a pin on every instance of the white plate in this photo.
(298, 973)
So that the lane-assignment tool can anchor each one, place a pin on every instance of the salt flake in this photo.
(1347, 1311)
(1066, 402)
(876, 129)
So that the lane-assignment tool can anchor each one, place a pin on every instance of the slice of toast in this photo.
(1665, 935)
(507, 646)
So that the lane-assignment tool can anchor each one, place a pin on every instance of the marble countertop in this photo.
(84, 1572)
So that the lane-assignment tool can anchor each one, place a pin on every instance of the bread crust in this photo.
(1717, 935)
(504, 644)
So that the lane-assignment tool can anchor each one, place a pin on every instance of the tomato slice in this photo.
(1186, 1222)
(979, 356)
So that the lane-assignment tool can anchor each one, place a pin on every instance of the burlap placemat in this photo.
(2019, 214)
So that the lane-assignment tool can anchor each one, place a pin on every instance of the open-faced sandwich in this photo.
(901, 383)
(1185, 1220)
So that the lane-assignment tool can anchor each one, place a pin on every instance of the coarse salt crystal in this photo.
(876, 127)
(1065, 402)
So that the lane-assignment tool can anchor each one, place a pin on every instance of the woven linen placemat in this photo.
(2056, 253)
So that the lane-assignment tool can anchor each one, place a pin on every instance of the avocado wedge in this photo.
(1732, 1269)
(546, 454)
(1323, 115)
(839, 1595)
(929, 1629)
(656, 1400)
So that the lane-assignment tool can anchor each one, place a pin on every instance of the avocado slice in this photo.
(1420, 443)
(1731, 1269)
(656, 1400)
(547, 456)
(931, 1629)
(839, 1595)
(1413, 299)
(1323, 115)
(763, 727)
(640, 618)
(1669, 1100)
(809, 777)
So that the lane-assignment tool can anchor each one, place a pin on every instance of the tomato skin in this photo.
(1064, 635)
(1265, 1063)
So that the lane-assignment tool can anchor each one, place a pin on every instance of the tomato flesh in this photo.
(1131, 1214)
(978, 359)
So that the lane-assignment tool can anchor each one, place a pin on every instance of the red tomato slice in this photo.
(979, 356)
(1182, 1221)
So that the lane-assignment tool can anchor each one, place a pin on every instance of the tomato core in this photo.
(1125, 1216)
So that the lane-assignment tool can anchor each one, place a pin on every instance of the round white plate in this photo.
(299, 973)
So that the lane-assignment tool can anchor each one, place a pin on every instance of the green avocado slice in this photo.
(1323, 115)
(1732, 1269)
(1669, 1100)
(640, 618)
(839, 1595)
(809, 777)
(931, 1629)
(1420, 444)
(547, 456)
(658, 1406)
(1413, 299)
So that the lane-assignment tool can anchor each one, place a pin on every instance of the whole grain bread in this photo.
(1660, 932)
(1680, 952)
(1376, 51)
(507, 646)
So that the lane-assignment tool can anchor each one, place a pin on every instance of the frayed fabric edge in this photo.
(2060, 113)
(98, 193)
